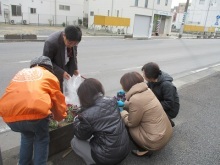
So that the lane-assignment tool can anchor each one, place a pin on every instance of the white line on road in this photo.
(24, 61)
(215, 65)
(133, 68)
(199, 70)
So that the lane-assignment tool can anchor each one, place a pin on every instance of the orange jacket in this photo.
(32, 94)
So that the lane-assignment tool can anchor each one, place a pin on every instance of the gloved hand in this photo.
(120, 105)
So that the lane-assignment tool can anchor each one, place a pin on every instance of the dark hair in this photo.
(87, 91)
(73, 33)
(151, 70)
(130, 79)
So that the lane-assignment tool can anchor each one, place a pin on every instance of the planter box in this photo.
(60, 139)
(29, 36)
(12, 36)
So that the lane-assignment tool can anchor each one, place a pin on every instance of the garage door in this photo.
(141, 26)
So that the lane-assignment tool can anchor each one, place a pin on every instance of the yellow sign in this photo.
(194, 28)
(111, 21)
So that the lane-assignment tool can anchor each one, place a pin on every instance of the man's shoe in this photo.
(142, 153)
(172, 123)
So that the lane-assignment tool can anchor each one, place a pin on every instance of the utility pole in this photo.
(152, 22)
(207, 17)
(112, 7)
(184, 18)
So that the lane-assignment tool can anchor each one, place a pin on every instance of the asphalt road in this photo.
(107, 59)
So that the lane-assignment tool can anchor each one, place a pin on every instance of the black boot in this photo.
(172, 123)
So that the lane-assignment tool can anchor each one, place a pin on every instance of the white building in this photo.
(204, 13)
(54, 12)
(140, 13)
(178, 13)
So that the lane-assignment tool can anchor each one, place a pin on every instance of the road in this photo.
(107, 59)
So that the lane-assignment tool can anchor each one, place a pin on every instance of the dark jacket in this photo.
(166, 93)
(103, 124)
(54, 48)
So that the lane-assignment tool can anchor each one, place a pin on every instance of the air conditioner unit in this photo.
(25, 22)
(13, 22)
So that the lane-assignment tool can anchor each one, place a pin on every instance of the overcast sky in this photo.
(176, 2)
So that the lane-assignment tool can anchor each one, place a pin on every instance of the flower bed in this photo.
(61, 133)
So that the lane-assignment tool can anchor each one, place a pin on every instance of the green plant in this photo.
(63, 24)
(71, 113)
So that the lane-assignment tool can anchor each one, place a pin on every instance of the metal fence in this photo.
(45, 19)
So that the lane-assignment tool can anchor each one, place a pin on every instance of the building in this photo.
(53, 12)
(178, 13)
(144, 15)
(204, 13)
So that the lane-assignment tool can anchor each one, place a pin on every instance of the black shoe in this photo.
(142, 153)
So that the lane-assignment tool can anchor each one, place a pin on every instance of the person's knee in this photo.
(73, 143)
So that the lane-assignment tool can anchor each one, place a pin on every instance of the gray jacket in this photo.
(54, 48)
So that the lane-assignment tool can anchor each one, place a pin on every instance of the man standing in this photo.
(61, 48)
(32, 95)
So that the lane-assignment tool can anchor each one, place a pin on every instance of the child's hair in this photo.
(130, 79)
(151, 70)
(87, 91)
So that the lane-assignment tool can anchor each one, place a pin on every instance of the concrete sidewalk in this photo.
(43, 32)
(196, 134)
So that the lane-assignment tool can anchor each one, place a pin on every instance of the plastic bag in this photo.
(70, 89)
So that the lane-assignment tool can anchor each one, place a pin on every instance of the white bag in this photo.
(70, 89)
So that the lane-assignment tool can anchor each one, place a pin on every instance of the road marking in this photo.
(199, 70)
(24, 61)
(215, 65)
(132, 68)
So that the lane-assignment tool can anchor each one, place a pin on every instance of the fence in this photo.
(44, 19)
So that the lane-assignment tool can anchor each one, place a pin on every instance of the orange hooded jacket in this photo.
(32, 94)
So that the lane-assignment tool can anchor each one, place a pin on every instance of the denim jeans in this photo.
(34, 139)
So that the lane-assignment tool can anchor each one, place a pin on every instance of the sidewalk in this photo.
(43, 32)
(196, 134)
